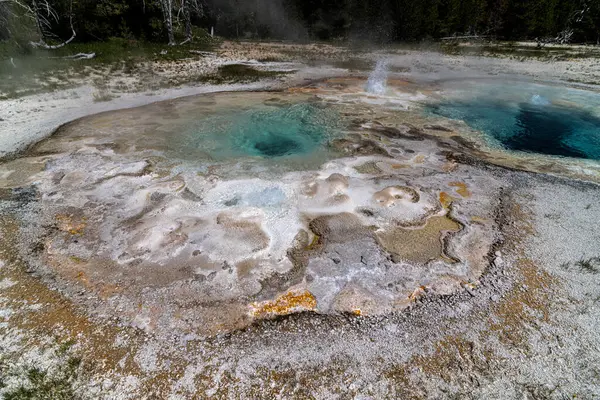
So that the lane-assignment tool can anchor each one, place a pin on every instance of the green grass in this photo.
(240, 71)
(354, 64)
(41, 70)
(512, 50)
(111, 50)
(270, 59)
(39, 384)
(42, 387)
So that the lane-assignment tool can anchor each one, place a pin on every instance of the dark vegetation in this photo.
(107, 52)
(43, 384)
(39, 37)
(25, 70)
(407, 20)
(373, 20)
(237, 72)
(589, 265)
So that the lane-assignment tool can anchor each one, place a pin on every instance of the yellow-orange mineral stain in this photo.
(288, 303)
(399, 82)
(461, 188)
(445, 199)
(417, 293)
(469, 285)
(449, 166)
(67, 224)
(399, 166)
(314, 242)
(420, 159)
(83, 278)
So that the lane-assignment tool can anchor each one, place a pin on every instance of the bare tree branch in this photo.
(25, 7)
(44, 15)
(78, 56)
(42, 21)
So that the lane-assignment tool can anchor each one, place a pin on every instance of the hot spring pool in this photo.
(527, 117)
(266, 132)
(239, 133)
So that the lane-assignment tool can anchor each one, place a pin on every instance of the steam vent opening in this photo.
(275, 146)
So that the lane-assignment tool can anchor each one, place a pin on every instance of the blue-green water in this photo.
(530, 118)
(266, 132)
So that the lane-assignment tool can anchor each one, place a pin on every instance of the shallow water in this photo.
(239, 133)
(528, 117)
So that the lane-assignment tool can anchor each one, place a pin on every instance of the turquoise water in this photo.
(265, 132)
(529, 118)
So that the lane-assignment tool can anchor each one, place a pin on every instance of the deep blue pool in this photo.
(530, 118)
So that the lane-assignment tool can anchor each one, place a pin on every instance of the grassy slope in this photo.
(37, 70)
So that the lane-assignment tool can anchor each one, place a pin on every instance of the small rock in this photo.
(498, 262)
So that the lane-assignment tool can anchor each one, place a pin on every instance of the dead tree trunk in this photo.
(167, 9)
(189, 8)
(187, 18)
